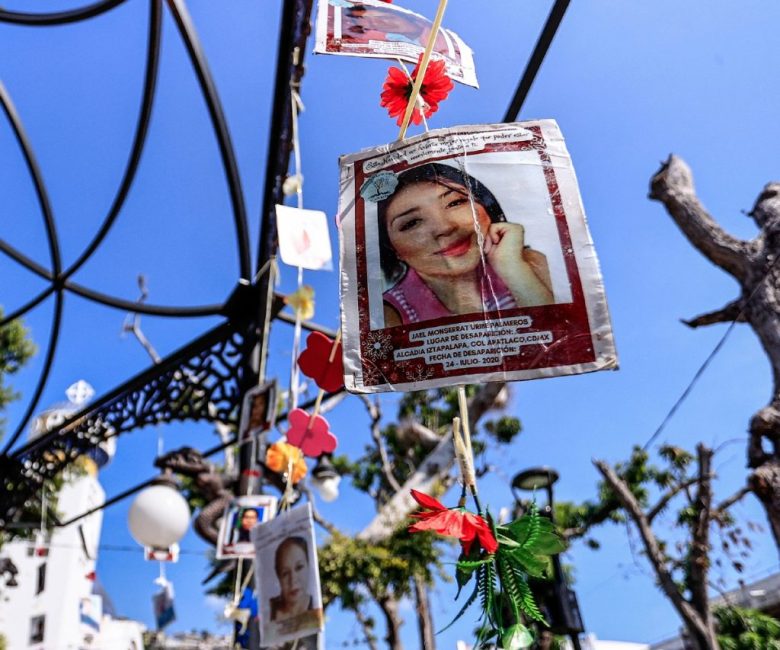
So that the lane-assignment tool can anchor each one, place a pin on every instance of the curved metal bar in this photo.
(96, 296)
(227, 153)
(37, 177)
(21, 311)
(26, 262)
(141, 129)
(58, 17)
(54, 336)
(142, 308)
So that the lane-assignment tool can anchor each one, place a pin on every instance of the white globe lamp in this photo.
(326, 479)
(159, 516)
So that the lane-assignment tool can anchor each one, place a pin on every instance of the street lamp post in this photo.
(561, 601)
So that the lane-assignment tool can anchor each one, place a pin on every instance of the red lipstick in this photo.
(457, 248)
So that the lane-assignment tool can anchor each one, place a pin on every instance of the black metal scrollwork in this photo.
(203, 381)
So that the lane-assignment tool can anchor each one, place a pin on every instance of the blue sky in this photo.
(628, 83)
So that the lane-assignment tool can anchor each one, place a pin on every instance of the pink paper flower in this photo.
(313, 440)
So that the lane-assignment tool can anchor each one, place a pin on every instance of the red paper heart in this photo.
(313, 362)
(313, 440)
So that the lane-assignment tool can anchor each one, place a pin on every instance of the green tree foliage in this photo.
(15, 349)
(746, 629)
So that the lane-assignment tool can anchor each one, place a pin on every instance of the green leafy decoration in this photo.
(528, 602)
(469, 602)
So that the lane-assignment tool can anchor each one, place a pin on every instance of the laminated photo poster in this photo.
(466, 258)
(376, 29)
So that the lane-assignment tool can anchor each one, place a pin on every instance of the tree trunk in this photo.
(424, 617)
(699, 553)
(756, 266)
(389, 607)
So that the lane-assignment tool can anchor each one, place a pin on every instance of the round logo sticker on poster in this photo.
(379, 186)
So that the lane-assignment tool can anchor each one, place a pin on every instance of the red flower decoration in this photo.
(313, 440)
(464, 525)
(317, 362)
(398, 88)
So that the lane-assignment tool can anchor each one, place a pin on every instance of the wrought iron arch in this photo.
(205, 379)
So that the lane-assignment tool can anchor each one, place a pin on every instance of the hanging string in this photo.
(423, 66)
(297, 106)
(236, 587)
(697, 375)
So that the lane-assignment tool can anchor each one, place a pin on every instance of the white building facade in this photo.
(54, 607)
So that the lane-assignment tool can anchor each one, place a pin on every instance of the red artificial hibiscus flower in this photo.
(398, 88)
(464, 525)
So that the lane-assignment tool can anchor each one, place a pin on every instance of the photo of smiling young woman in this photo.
(446, 248)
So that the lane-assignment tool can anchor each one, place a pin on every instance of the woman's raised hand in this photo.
(504, 243)
(504, 248)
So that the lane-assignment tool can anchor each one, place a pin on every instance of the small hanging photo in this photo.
(287, 579)
(304, 240)
(258, 410)
(243, 514)
(377, 29)
(162, 603)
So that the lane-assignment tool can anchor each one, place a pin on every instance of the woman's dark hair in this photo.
(392, 267)
(300, 542)
(241, 514)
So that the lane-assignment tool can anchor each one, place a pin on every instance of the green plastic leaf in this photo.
(469, 601)
(517, 637)
(534, 532)
(536, 566)
(466, 565)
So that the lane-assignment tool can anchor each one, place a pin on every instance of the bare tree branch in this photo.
(734, 498)
(132, 323)
(327, 525)
(726, 314)
(673, 186)
(375, 413)
(666, 498)
(655, 555)
(368, 632)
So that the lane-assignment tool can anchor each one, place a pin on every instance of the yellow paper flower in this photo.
(278, 456)
(302, 302)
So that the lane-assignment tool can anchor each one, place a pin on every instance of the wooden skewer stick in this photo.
(410, 105)
(321, 393)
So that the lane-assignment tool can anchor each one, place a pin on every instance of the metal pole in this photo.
(293, 32)
(535, 62)
(557, 568)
